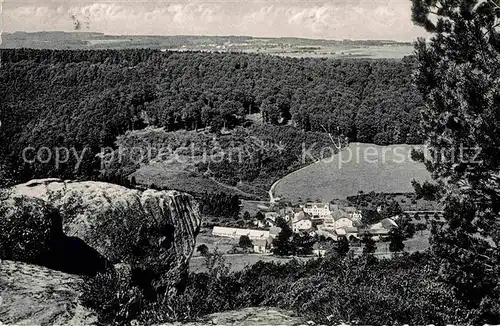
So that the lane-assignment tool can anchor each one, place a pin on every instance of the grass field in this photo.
(222, 244)
(239, 261)
(338, 52)
(253, 207)
(360, 167)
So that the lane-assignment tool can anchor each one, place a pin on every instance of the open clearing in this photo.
(338, 52)
(253, 207)
(359, 167)
(238, 262)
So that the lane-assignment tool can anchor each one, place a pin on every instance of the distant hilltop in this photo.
(290, 46)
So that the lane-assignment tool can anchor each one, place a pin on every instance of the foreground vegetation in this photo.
(328, 290)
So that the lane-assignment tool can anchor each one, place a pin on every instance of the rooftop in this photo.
(259, 242)
(308, 205)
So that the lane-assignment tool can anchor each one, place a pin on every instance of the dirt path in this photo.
(272, 199)
(235, 189)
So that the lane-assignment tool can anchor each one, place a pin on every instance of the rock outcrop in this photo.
(35, 295)
(154, 229)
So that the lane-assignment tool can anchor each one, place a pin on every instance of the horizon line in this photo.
(207, 35)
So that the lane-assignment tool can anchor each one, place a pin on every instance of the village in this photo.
(322, 222)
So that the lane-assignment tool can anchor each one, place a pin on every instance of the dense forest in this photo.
(85, 99)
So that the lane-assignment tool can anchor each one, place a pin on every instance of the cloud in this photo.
(387, 19)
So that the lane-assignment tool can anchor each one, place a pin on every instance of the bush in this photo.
(215, 290)
(245, 242)
(202, 249)
(28, 228)
(328, 290)
(115, 299)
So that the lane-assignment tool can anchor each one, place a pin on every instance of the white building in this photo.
(319, 250)
(338, 222)
(343, 223)
(271, 216)
(301, 225)
(328, 224)
(383, 227)
(297, 216)
(379, 229)
(353, 213)
(260, 246)
(321, 210)
(236, 233)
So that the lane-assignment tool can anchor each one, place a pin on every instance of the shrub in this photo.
(28, 227)
(245, 242)
(115, 299)
(361, 290)
(202, 249)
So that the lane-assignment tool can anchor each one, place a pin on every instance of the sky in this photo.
(333, 19)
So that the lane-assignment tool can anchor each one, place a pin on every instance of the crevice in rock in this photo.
(72, 255)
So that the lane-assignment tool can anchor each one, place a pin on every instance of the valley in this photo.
(174, 177)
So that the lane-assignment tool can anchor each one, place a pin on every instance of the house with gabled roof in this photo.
(236, 233)
(353, 213)
(304, 224)
(317, 210)
(261, 246)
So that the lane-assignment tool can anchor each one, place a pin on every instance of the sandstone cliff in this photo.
(152, 229)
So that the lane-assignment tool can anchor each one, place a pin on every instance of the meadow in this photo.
(339, 52)
(359, 167)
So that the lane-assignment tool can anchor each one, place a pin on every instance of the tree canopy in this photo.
(458, 76)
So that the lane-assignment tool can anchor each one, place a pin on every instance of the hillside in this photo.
(360, 167)
(245, 162)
